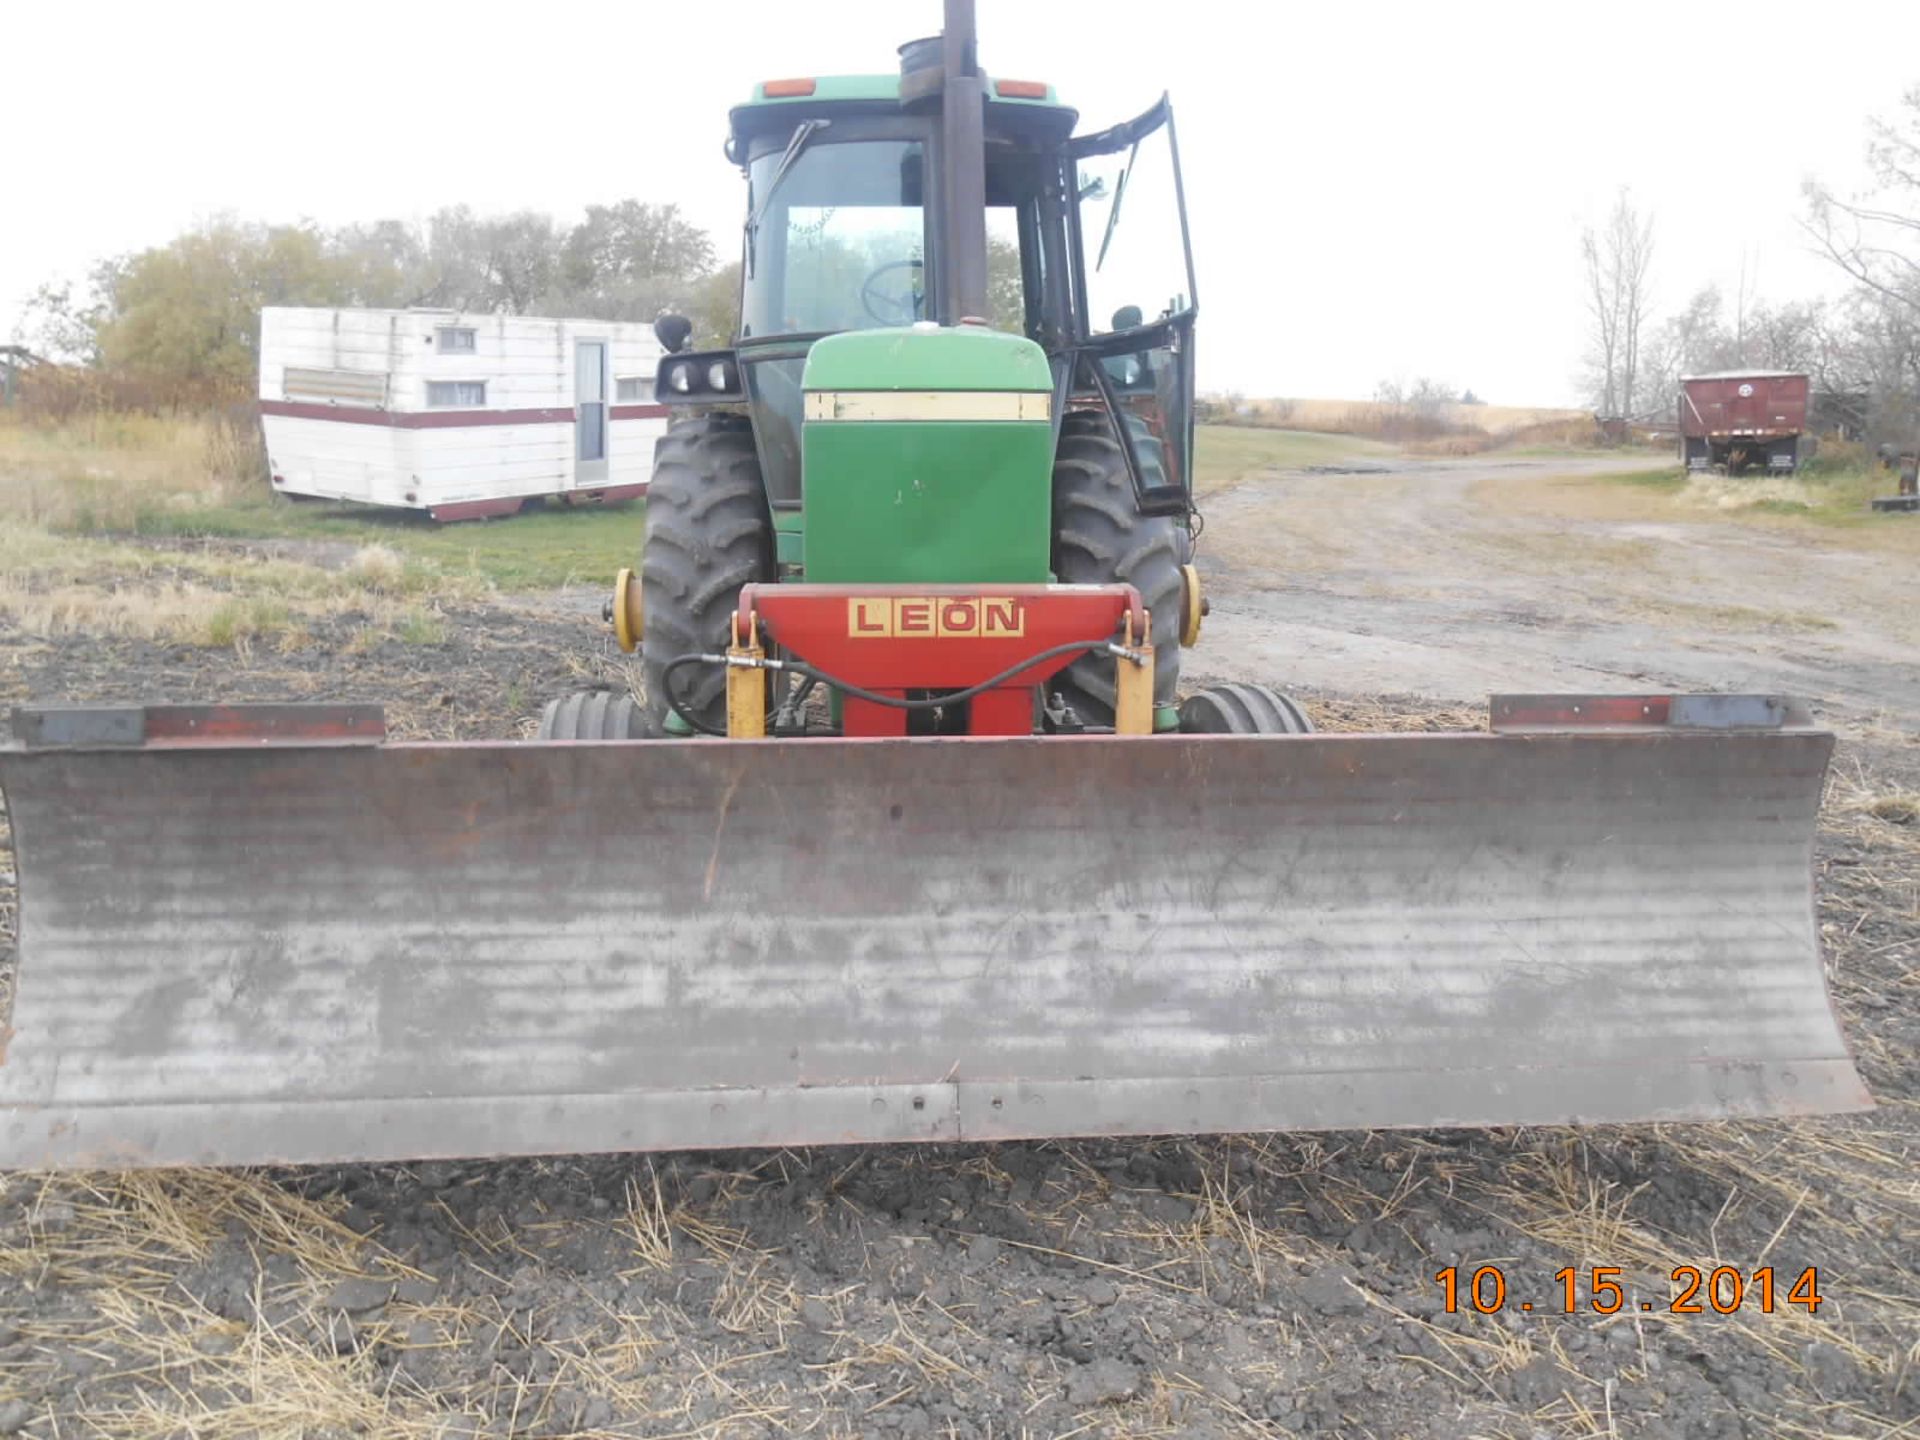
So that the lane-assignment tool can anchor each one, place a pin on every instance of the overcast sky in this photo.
(1377, 190)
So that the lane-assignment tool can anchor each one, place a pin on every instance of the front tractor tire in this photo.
(1242, 710)
(1101, 538)
(709, 533)
(592, 715)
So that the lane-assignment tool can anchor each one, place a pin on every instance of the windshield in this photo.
(840, 242)
(1134, 246)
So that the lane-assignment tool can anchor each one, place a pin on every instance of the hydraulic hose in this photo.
(874, 697)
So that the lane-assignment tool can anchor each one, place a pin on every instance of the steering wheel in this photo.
(877, 304)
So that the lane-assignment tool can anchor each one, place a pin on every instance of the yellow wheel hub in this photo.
(1193, 605)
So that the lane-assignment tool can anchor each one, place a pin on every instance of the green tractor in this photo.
(964, 357)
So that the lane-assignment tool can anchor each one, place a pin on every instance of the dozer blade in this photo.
(302, 948)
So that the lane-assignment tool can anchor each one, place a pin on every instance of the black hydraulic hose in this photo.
(687, 717)
(874, 697)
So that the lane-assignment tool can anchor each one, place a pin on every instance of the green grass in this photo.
(1226, 453)
(236, 621)
(537, 549)
(102, 476)
(558, 545)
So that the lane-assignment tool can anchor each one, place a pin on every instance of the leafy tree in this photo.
(489, 264)
(715, 307)
(384, 264)
(632, 260)
(1006, 290)
(189, 311)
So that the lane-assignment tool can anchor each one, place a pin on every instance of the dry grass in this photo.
(1833, 495)
(1824, 510)
(202, 476)
(1571, 433)
(1365, 417)
(216, 595)
(249, 1370)
(1265, 1211)
(61, 484)
(102, 471)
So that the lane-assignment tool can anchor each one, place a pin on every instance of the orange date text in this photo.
(1599, 1290)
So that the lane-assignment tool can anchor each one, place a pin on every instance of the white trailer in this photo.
(462, 416)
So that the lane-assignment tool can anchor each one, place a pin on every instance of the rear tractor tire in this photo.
(1242, 710)
(709, 533)
(1101, 538)
(593, 715)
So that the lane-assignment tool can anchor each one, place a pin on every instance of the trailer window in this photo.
(456, 340)
(364, 387)
(455, 394)
(633, 389)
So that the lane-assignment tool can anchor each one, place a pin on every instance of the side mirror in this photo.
(673, 332)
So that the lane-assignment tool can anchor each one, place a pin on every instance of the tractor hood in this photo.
(928, 457)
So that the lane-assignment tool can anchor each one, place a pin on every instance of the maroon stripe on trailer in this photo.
(605, 495)
(478, 509)
(638, 412)
(419, 419)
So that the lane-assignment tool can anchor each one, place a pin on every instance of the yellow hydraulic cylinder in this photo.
(747, 685)
(1133, 684)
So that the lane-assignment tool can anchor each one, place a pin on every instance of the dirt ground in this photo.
(1459, 578)
(1250, 1285)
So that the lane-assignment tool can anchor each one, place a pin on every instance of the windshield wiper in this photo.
(802, 133)
(1113, 214)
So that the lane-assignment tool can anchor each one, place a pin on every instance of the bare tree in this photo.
(1415, 412)
(1618, 258)
(1604, 341)
(1876, 238)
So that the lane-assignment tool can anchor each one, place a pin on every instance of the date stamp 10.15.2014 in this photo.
(1601, 1290)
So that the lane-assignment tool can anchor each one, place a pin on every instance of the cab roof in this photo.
(887, 87)
(1017, 109)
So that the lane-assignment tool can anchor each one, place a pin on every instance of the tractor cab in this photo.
(1084, 245)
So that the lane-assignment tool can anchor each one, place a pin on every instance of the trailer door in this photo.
(589, 412)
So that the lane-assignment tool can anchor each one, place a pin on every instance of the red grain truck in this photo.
(1737, 419)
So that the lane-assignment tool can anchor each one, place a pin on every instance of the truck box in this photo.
(1736, 419)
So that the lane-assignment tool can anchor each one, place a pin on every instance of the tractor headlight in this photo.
(710, 377)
